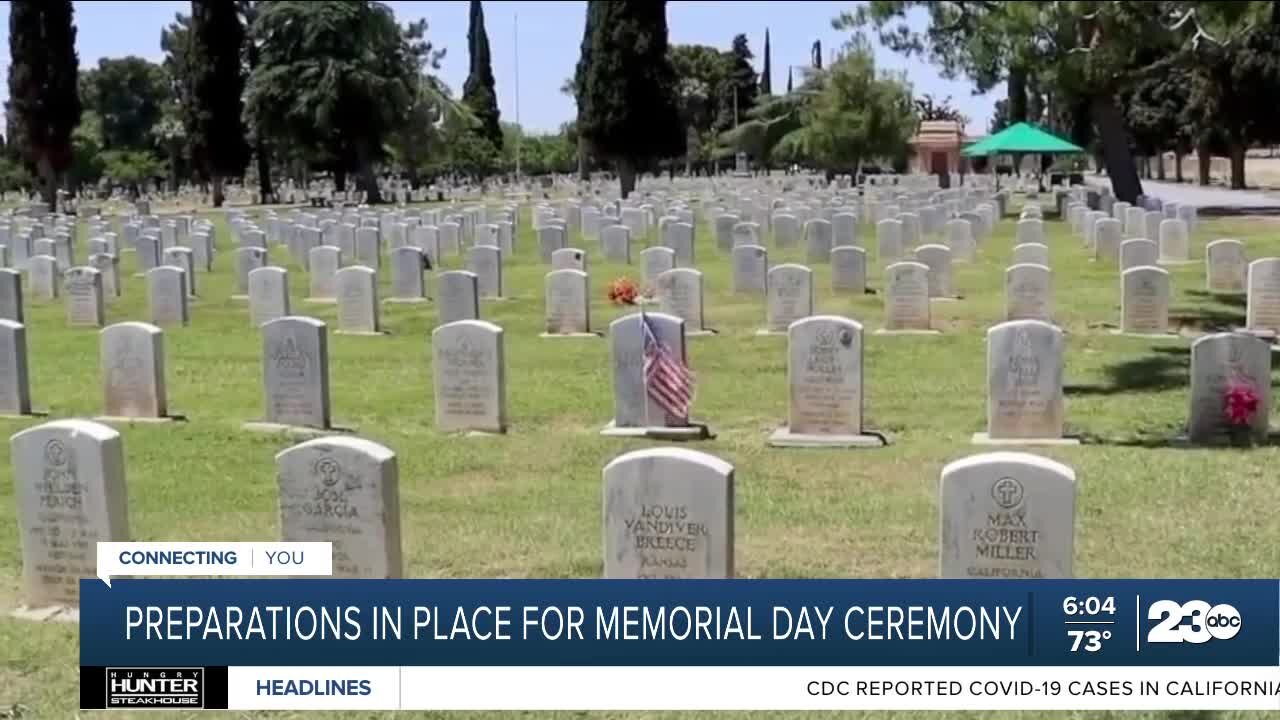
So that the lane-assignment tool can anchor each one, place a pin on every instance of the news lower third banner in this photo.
(669, 645)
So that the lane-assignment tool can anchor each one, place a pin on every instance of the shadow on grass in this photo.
(1239, 300)
(1165, 369)
(1174, 437)
(1206, 320)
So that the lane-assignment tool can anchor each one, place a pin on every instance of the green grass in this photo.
(528, 504)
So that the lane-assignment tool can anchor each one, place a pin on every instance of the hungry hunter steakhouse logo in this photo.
(160, 687)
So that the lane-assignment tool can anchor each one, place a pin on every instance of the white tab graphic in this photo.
(154, 559)
(313, 688)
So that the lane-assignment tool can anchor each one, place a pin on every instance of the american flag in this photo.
(667, 380)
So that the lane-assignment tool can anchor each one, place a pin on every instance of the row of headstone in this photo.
(668, 512)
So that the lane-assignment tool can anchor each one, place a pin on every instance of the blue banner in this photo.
(316, 622)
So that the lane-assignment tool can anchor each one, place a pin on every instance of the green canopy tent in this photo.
(1021, 139)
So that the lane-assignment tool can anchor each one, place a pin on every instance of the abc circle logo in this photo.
(1193, 622)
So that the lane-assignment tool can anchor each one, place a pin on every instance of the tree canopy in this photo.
(128, 96)
(627, 91)
(334, 77)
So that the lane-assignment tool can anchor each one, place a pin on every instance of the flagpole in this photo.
(644, 374)
(520, 134)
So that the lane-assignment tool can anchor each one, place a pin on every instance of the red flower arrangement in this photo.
(624, 291)
(1239, 405)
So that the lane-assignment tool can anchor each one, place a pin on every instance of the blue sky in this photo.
(549, 36)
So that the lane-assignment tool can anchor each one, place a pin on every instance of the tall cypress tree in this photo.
(627, 98)
(44, 94)
(217, 140)
(478, 92)
(788, 79)
(766, 77)
(580, 99)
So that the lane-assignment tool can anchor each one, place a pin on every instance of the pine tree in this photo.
(766, 77)
(627, 94)
(479, 93)
(44, 95)
(217, 140)
(789, 88)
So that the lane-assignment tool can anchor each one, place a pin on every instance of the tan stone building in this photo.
(936, 149)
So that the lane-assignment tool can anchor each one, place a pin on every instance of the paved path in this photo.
(1209, 200)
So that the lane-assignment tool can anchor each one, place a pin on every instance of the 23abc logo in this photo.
(1192, 622)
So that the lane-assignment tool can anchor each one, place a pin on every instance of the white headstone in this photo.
(71, 495)
(295, 364)
(1144, 301)
(750, 269)
(849, 270)
(268, 295)
(459, 296)
(357, 288)
(632, 405)
(485, 261)
(15, 383)
(616, 240)
(1226, 266)
(789, 296)
(1228, 361)
(131, 356)
(1024, 381)
(470, 377)
(568, 302)
(938, 260)
(818, 241)
(324, 263)
(679, 292)
(1174, 247)
(167, 296)
(1029, 293)
(824, 376)
(1031, 254)
(1007, 515)
(345, 491)
(668, 513)
(84, 297)
(907, 296)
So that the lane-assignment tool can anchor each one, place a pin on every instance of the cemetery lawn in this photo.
(528, 505)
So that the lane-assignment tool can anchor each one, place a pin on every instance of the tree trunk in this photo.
(1125, 184)
(1177, 169)
(1017, 95)
(218, 196)
(365, 179)
(265, 191)
(340, 180)
(49, 182)
(626, 176)
(1160, 174)
(1237, 166)
(582, 159)
(1204, 161)
(173, 168)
